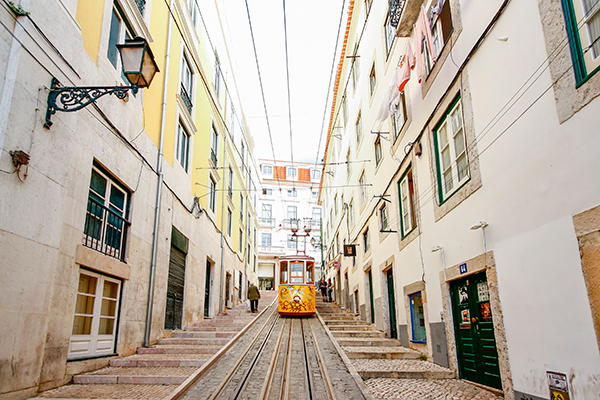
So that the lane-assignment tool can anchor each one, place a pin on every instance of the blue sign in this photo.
(463, 268)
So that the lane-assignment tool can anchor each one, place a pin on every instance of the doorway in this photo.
(175, 288)
(474, 331)
(228, 290)
(371, 306)
(207, 289)
(392, 303)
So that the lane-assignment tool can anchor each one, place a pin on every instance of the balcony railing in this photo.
(315, 224)
(293, 223)
(213, 157)
(395, 9)
(141, 4)
(266, 222)
(271, 249)
(186, 99)
(105, 231)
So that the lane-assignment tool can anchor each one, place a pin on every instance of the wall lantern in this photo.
(138, 66)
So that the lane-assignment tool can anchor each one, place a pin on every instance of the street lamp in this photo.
(139, 68)
(481, 225)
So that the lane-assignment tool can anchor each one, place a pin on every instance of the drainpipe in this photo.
(160, 184)
(11, 74)
(223, 201)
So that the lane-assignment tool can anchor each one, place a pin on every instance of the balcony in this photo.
(186, 99)
(105, 231)
(266, 222)
(141, 4)
(315, 224)
(213, 158)
(293, 223)
(404, 14)
(271, 249)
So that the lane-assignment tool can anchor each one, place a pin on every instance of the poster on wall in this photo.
(465, 317)
(463, 295)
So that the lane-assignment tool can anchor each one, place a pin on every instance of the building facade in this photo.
(464, 133)
(114, 220)
(287, 203)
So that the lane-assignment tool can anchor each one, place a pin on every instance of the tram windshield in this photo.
(283, 272)
(296, 272)
(310, 266)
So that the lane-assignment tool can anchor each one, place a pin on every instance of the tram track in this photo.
(283, 361)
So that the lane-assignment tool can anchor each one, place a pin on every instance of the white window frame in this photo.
(182, 149)
(229, 221)
(212, 197)
(291, 173)
(358, 128)
(267, 169)
(378, 150)
(363, 189)
(407, 206)
(383, 217)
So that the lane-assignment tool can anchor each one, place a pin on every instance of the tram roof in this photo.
(301, 257)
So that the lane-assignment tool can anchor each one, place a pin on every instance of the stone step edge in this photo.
(129, 379)
(149, 363)
(370, 374)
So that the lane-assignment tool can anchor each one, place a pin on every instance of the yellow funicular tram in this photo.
(296, 276)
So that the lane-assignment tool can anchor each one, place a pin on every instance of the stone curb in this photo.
(370, 374)
(191, 380)
(359, 382)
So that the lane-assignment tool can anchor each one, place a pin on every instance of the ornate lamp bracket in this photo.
(68, 99)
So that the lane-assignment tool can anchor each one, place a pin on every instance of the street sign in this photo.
(335, 265)
(463, 268)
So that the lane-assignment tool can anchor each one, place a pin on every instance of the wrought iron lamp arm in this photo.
(67, 99)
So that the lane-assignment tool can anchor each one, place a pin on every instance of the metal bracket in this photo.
(73, 98)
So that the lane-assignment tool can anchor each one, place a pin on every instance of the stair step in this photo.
(136, 376)
(358, 334)
(194, 341)
(381, 353)
(401, 369)
(362, 342)
(198, 335)
(351, 328)
(173, 349)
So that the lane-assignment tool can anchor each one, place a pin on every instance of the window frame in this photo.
(580, 67)
(412, 316)
(372, 80)
(445, 195)
(359, 129)
(212, 197)
(266, 239)
(363, 189)
(366, 240)
(378, 150)
(407, 176)
(229, 221)
(389, 35)
(183, 155)
(383, 217)
(401, 108)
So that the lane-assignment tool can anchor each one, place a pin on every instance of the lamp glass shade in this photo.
(137, 61)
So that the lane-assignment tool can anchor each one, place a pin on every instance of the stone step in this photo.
(194, 341)
(363, 342)
(380, 353)
(95, 391)
(213, 329)
(351, 328)
(234, 323)
(358, 334)
(345, 317)
(173, 349)
(160, 360)
(201, 334)
(401, 369)
(344, 322)
(136, 376)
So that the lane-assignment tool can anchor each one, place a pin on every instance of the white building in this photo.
(287, 203)
(499, 128)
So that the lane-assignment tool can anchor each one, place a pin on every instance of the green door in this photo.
(392, 303)
(207, 289)
(476, 344)
(371, 297)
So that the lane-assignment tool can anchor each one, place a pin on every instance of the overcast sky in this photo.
(312, 27)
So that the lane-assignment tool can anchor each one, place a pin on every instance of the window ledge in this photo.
(97, 261)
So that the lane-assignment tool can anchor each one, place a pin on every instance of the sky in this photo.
(312, 29)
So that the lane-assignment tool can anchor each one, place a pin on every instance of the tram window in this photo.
(296, 272)
(310, 272)
(283, 272)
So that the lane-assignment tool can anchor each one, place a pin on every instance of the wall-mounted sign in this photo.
(558, 385)
(349, 250)
(335, 265)
(463, 268)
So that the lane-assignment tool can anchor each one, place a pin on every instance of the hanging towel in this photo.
(422, 34)
(384, 110)
(403, 74)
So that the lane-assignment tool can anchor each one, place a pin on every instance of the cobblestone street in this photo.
(427, 389)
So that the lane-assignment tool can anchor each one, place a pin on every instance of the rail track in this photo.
(283, 361)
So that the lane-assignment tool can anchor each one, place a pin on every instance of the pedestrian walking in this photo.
(329, 289)
(323, 288)
(253, 296)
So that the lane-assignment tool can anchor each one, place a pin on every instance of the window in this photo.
(267, 169)
(192, 7)
(212, 199)
(232, 124)
(242, 153)
(345, 109)
(183, 146)
(316, 214)
(372, 80)
(217, 76)
(441, 29)
(351, 213)
(187, 80)
(583, 29)
(283, 272)
(296, 272)
(230, 183)
(337, 243)
(348, 165)
(335, 205)
(291, 242)
(267, 192)
(378, 153)
(310, 267)
(315, 195)
(292, 193)
(214, 146)
(95, 318)
(315, 174)
(229, 221)
(383, 217)
(291, 173)
(451, 151)
(248, 254)
(407, 212)
(399, 117)
(417, 318)
(106, 222)
(242, 208)
(292, 212)
(358, 126)
(366, 240)
(266, 240)
(363, 189)
(241, 241)
(267, 211)
(390, 34)
(118, 34)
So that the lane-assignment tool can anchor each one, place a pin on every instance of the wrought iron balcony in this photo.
(186, 99)
(229, 192)
(213, 158)
(141, 4)
(266, 222)
(293, 223)
(105, 231)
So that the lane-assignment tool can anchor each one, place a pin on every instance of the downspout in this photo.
(223, 201)
(160, 184)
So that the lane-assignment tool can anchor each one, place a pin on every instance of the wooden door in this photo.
(207, 289)
(371, 297)
(175, 288)
(475, 340)
(392, 304)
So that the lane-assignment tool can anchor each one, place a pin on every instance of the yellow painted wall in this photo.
(89, 17)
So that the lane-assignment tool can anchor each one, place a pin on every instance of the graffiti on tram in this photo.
(297, 299)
